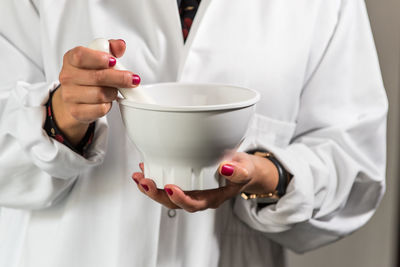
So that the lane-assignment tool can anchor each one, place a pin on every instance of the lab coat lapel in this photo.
(170, 23)
(172, 19)
(192, 35)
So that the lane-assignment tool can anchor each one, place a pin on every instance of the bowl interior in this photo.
(190, 97)
(190, 129)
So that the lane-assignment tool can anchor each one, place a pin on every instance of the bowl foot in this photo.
(187, 178)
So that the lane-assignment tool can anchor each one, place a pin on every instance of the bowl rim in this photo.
(241, 104)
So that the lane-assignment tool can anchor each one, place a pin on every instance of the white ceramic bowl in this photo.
(191, 129)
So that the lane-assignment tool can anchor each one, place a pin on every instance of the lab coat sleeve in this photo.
(35, 170)
(338, 153)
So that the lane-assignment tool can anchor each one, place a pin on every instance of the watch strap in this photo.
(283, 180)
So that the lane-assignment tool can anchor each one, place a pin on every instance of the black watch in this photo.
(283, 180)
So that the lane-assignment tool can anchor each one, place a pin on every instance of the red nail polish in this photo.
(111, 62)
(169, 191)
(227, 170)
(136, 181)
(135, 79)
(145, 187)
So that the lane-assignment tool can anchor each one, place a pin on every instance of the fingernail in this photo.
(227, 170)
(136, 181)
(135, 79)
(123, 40)
(145, 187)
(111, 62)
(169, 191)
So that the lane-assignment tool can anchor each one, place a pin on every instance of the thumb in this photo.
(117, 47)
(234, 173)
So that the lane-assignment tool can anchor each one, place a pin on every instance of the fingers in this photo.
(149, 188)
(87, 78)
(117, 47)
(141, 165)
(88, 87)
(234, 173)
(85, 66)
(86, 58)
(88, 113)
(193, 201)
(101, 77)
(91, 95)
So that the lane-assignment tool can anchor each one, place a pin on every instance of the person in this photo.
(66, 193)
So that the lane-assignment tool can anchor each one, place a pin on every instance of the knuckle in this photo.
(109, 94)
(104, 58)
(104, 108)
(77, 56)
(100, 96)
(208, 205)
(66, 56)
(66, 95)
(64, 77)
(126, 79)
(99, 76)
(74, 110)
(113, 94)
(151, 193)
(191, 209)
(215, 204)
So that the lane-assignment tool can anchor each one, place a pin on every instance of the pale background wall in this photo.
(375, 245)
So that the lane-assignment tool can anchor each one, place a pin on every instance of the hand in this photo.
(88, 87)
(245, 173)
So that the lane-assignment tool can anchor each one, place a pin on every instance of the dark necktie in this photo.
(187, 11)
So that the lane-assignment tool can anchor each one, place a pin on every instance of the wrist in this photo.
(72, 129)
(265, 178)
(273, 174)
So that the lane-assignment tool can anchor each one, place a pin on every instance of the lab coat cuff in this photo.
(26, 106)
(294, 207)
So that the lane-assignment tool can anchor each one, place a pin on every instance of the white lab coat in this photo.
(322, 112)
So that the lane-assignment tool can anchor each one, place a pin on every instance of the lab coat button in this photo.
(171, 213)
